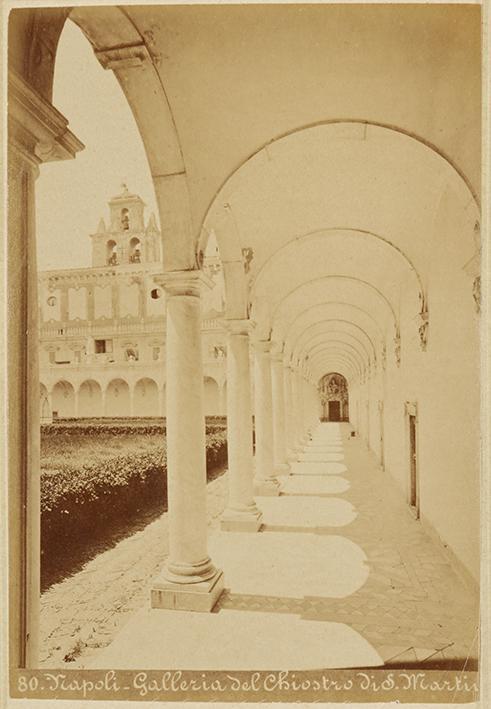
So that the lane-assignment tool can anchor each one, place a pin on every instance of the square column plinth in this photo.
(235, 521)
(266, 488)
(201, 596)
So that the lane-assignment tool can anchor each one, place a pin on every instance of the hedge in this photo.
(81, 500)
(113, 427)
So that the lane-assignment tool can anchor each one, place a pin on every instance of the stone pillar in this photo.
(279, 433)
(75, 401)
(189, 580)
(265, 480)
(103, 400)
(22, 417)
(296, 410)
(131, 392)
(241, 513)
(289, 410)
(161, 401)
(223, 398)
(37, 133)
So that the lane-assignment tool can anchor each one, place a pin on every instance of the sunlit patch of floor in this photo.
(288, 564)
(233, 640)
(321, 457)
(317, 468)
(314, 485)
(306, 512)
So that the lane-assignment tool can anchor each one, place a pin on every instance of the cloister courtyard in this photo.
(320, 164)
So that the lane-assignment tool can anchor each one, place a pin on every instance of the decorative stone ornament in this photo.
(423, 329)
(397, 348)
(384, 357)
(247, 255)
(476, 293)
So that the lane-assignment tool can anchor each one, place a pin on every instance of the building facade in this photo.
(102, 329)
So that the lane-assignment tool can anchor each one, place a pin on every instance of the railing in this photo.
(64, 329)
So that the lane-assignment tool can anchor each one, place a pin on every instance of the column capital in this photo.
(277, 351)
(183, 283)
(239, 326)
(263, 346)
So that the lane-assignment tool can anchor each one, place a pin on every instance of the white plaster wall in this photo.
(102, 302)
(77, 303)
(128, 299)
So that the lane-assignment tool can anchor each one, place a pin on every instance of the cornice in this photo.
(36, 127)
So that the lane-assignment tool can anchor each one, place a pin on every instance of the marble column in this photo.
(297, 409)
(76, 391)
(131, 396)
(265, 480)
(189, 580)
(289, 410)
(222, 396)
(279, 433)
(241, 513)
(36, 133)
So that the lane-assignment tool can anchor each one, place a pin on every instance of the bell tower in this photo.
(127, 240)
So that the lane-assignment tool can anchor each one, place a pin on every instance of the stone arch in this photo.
(135, 250)
(396, 131)
(146, 397)
(375, 146)
(111, 253)
(118, 398)
(63, 398)
(120, 47)
(211, 402)
(90, 399)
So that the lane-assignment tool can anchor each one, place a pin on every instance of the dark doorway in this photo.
(334, 411)
(413, 482)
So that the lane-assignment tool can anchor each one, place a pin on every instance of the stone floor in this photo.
(87, 610)
(341, 565)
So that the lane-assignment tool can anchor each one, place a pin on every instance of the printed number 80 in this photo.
(24, 685)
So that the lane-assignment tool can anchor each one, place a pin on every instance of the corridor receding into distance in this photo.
(275, 365)
(341, 565)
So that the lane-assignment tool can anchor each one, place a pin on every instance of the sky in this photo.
(72, 195)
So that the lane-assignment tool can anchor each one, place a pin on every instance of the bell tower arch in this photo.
(127, 240)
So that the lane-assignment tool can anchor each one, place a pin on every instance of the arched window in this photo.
(111, 253)
(125, 219)
(135, 250)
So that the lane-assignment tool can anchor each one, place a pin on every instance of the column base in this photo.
(293, 454)
(241, 519)
(201, 596)
(266, 488)
(282, 469)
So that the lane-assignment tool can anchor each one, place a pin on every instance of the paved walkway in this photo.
(87, 610)
(341, 565)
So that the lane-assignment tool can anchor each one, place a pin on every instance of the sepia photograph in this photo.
(245, 399)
